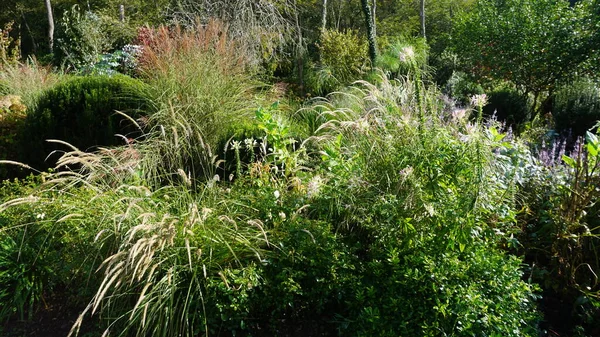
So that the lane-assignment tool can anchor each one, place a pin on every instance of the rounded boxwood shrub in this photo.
(82, 112)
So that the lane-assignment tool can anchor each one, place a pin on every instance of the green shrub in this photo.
(83, 36)
(508, 105)
(12, 117)
(81, 111)
(429, 293)
(342, 57)
(462, 89)
(576, 107)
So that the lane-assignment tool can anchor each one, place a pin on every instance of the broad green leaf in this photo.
(591, 143)
(569, 161)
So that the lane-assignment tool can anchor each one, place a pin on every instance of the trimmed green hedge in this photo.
(81, 111)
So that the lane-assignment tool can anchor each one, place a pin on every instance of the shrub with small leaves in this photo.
(83, 112)
(342, 57)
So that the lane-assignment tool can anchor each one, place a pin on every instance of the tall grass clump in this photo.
(403, 55)
(201, 88)
(27, 80)
(149, 261)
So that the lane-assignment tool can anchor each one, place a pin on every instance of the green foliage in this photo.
(576, 107)
(425, 294)
(404, 57)
(9, 49)
(342, 56)
(533, 44)
(461, 88)
(403, 16)
(508, 105)
(83, 36)
(42, 252)
(82, 112)
(560, 228)
(12, 117)
(394, 187)
(123, 61)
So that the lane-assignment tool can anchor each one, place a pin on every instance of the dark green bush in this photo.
(81, 111)
(427, 292)
(508, 105)
(576, 107)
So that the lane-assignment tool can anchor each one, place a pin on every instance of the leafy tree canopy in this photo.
(536, 44)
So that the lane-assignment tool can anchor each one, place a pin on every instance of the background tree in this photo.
(370, 25)
(422, 15)
(50, 25)
(263, 26)
(535, 44)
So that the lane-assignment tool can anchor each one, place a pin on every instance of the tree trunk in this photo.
(299, 49)
(33, 43)
(374, 17)
(339, 16)
(370, 31)
(122, 13)
(324, 16)
(422, 15)
(50, 25)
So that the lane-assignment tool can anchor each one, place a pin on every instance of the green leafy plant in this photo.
(84, 36)
(12, 117)
(342, 57)
(83, 112)
(560, 230)
(576, 107)
(9, 49)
